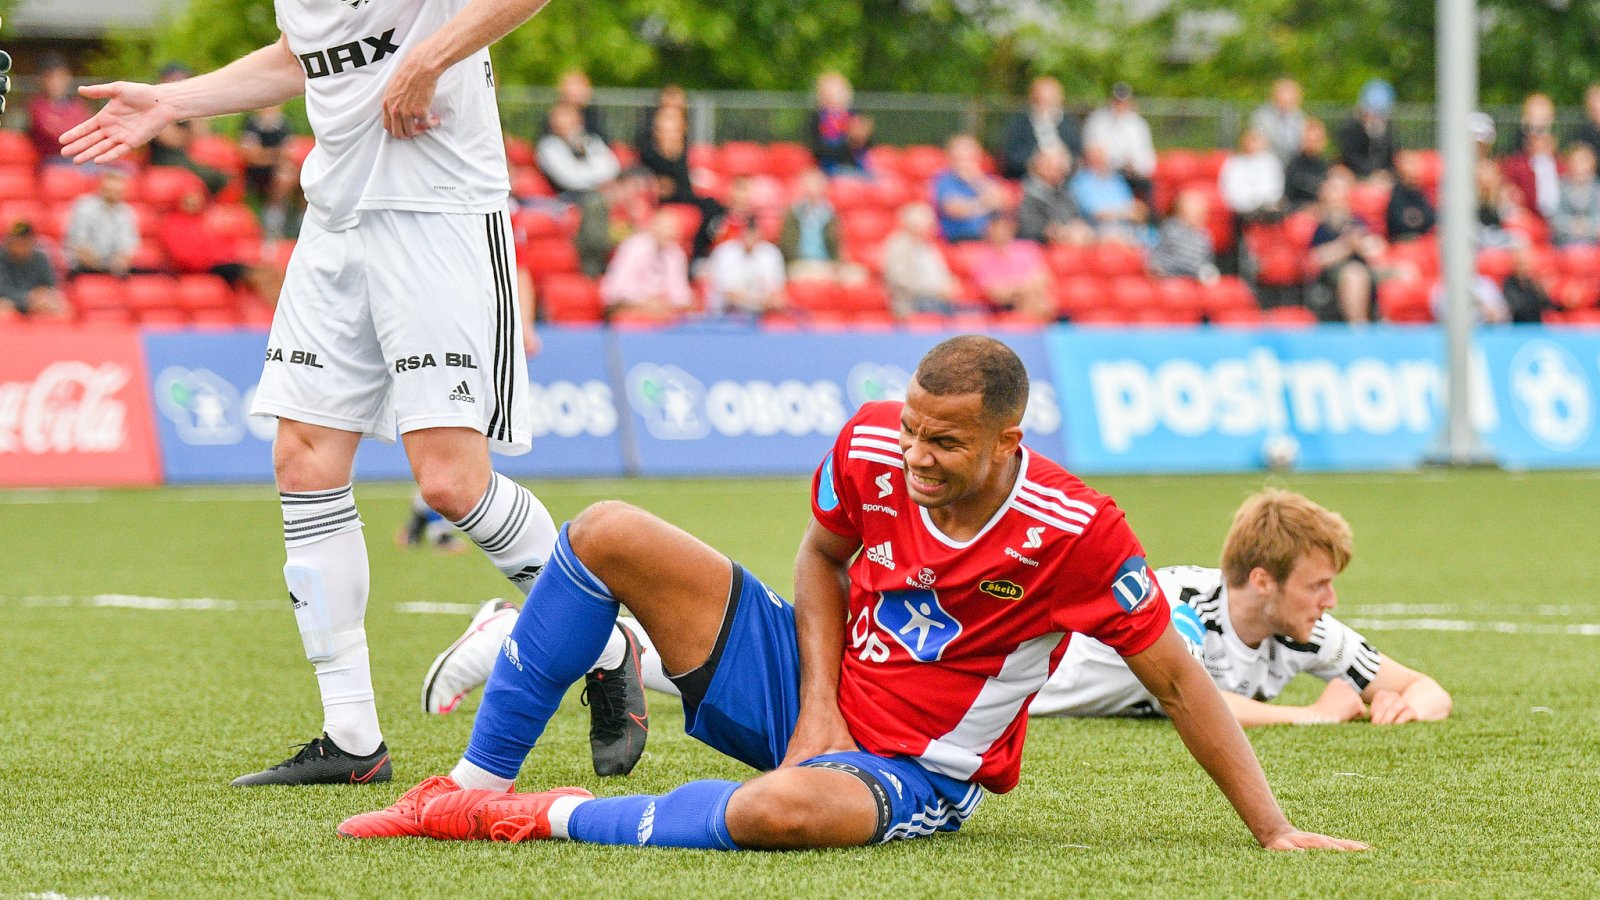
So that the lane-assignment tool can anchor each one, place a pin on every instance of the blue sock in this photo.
(693, 816)
(562, 628)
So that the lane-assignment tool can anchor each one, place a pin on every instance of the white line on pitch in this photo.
(1585, 629)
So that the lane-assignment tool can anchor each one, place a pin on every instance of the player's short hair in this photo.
(1275, 528)
(974, 364)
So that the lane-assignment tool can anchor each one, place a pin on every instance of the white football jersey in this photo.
(1092, 680)
(349, 50)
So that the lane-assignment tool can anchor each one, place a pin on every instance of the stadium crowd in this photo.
(1081, 221)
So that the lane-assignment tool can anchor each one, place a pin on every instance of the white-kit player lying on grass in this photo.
(1255, 623)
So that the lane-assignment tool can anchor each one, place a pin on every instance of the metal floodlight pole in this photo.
(1458, 442)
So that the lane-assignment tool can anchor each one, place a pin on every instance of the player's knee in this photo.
(779, 812)
(452, 492)
(603, 533)
(298, 464)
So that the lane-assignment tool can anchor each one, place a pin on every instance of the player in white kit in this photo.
(399, 309)
(1256, 623)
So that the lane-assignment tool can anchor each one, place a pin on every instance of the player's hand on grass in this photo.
(1306, 840)
(1389, 708)
(131, 117)
(408, 101)
(1339, 703)
(816, 733)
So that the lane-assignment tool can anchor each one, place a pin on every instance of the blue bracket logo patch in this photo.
(917, 621)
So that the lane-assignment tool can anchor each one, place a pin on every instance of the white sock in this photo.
(326, 570)
(561, 813)
(616, 648)
(514, 528)
(470, 776)
(655, 676)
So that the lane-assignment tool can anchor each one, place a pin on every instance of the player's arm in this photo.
(821, 605)
(407, 100)
(135, 112)
(1208, 729)
(1400, 694)
(1339, 703)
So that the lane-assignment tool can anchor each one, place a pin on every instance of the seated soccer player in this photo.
(1255, 623)
(944, 566)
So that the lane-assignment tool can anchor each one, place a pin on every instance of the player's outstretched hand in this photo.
(408, 101)
(1306, 840)
(1339, 703)
(1389, 708)
(131, 117)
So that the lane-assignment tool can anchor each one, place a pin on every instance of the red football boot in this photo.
(404, 817)
(477, 815)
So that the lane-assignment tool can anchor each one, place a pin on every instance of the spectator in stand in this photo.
(1303, 176)
(573, 88)
(1589, 132)
(284, 208)
(1282, 121)
(1366, 140)
(1533, 170)
(194, 247)
(1011, 273)
(1526, 299)
(1577, 218)
(810, 237)
(1410, 214)
(746, 275)
(1251, 181)
(102, 232)
(671, 97)
(667, 155)
(1487, 299)
(576, 161)
(1105, 198)
(914, 269)
(1185, 249)
(1048, 214)
(1044, 125)
(1497, 208)
(839, 136)
(964, 195)
(1345, 253)
(649, 275)
(263, 140)
(27, 279)
(51, 113)
(1124, 135)
(170, 146)
(1481, 126)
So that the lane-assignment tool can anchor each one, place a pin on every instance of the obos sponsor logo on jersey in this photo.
(202, 404)
(1001, 588)
(917, 621)
(1133, 586)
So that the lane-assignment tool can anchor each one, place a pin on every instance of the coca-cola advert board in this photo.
(73, 409)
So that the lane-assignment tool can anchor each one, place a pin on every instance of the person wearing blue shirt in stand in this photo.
(964, 196)
(1106, 199)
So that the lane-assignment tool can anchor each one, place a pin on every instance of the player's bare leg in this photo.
(327, 576)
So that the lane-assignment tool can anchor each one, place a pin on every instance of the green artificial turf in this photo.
(121, 727)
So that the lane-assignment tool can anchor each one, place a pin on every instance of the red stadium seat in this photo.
(58, 184)
(148, 292)
(17, 150)
(53, 223)
(1132, 293)
(570, 297)
(1235, 318)
(1112, 259)
(1496, 263)
(883, 159)
(1370, 202)
(1280, 266)
(1422, 255)
(1180, 297)
(218, 152)
(703, 156)
(850, 194)
(147, 219)
(527, 183)
(298, 147)
(96, 292)
(161, 186)
(1067, 260)
(890, 191)
(17, 183)
(1078, 295)
(1210, 165)
(688, 220)
(866, 226)
(815, 296)
(550, 256)
(215, 318)
(922, 162)
(519, 152)
(531, 224)
(162, 318)
(1579, 261)
(13, 211)
(786, 160)
(111, 315)
(234, 221)
(149, 256)
(1289, 317)
(1177, 167)
(626, 157)
(1405, 300)
(960, 257)
(208, 292)
(1227, 295)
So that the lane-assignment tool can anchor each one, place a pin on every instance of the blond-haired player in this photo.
(1255, 623)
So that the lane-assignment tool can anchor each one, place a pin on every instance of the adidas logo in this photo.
(461, 393)
(883, 554)
(509, 647)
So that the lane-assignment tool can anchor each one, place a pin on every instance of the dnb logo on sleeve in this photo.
(1133, 586)
(827, 496)
(916, 620)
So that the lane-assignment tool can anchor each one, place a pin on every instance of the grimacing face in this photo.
(1294, 606)
(951, 450)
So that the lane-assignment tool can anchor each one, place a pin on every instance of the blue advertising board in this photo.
(201, 384)
(707, 401)
(1542, 396)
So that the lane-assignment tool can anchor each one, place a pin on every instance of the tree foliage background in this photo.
(979, 46)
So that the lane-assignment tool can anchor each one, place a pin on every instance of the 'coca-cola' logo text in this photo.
(71, 407)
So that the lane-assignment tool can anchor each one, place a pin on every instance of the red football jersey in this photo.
(949, 640)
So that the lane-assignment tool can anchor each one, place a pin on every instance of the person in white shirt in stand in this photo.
(746, 274)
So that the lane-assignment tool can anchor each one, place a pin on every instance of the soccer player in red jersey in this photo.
(945, 566)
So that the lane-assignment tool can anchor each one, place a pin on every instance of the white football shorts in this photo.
(409, 320)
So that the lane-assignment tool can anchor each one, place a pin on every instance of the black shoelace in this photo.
(607, 695)
(307, 750)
